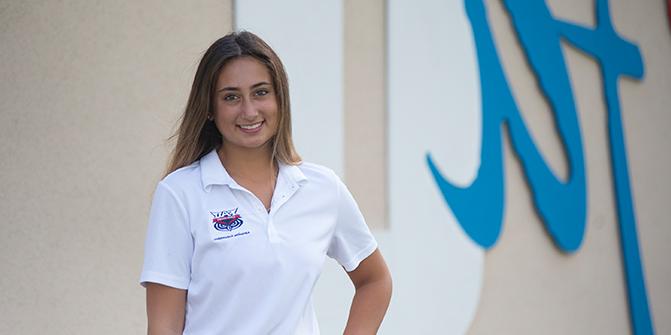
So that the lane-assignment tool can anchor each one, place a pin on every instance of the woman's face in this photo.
(245, 108)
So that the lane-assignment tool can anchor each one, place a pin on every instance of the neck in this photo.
(246, 163)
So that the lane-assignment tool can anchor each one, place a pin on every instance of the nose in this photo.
(249, 111)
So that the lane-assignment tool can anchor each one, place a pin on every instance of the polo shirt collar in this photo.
(214, 173)
(293, 173)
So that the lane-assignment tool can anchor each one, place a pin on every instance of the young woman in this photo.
(239, 228)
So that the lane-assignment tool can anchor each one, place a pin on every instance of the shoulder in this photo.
(183, 180)
(315, 170)
(321, 178)
(318, 173)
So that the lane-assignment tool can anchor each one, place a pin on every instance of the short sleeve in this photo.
(169, 243)
(352, 241)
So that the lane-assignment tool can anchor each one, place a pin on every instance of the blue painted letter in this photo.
(560, 204)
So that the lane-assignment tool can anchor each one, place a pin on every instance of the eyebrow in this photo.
(230, 88)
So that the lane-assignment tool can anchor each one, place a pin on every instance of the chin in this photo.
(254, 145)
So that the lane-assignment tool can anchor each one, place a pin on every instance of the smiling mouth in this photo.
(251, 127)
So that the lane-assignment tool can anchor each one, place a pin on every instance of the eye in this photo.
(230, 97)
(262, 92)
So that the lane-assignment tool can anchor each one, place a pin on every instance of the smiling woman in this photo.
(240, 227)
(197, 134)
(245, 106)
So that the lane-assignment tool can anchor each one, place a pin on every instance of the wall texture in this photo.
(90, 90)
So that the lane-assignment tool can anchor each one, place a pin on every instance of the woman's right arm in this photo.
(165, 309)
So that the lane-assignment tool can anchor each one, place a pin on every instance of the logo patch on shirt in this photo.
(227, 220)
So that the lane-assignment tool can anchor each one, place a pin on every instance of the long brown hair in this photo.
(196, 135)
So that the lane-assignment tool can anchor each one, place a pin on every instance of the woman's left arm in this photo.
(372, 282)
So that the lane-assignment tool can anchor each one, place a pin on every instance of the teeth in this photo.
(251, 126)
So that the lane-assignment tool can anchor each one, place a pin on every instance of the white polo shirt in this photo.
(248, 271)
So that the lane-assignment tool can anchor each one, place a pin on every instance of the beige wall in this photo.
(89, 92)
(365, 113)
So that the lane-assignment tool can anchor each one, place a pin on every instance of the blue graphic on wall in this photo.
(561, 204)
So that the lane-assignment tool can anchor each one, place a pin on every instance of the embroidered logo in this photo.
(226, 220)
